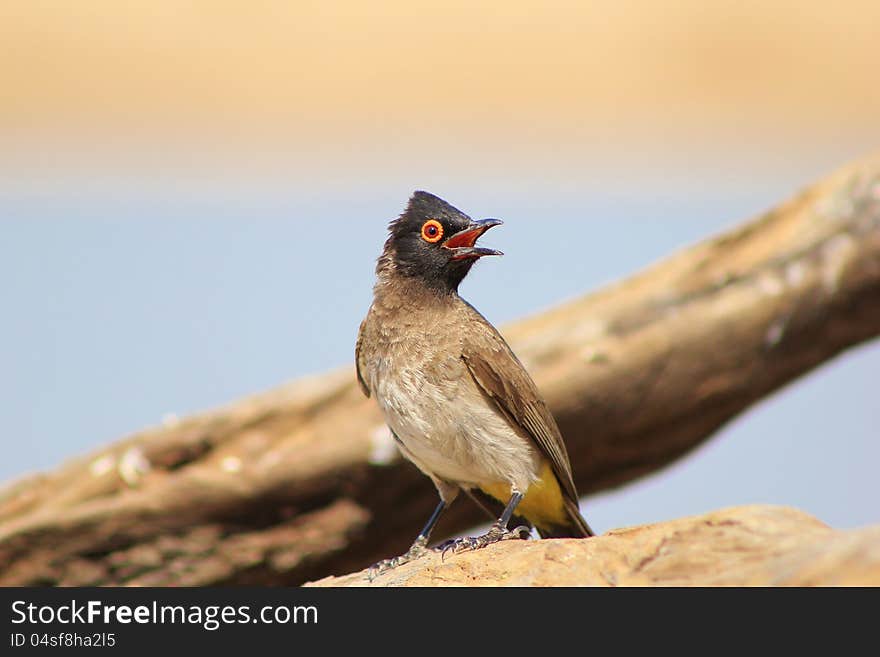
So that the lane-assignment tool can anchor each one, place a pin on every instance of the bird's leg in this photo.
(497, 533)
(490, 514)
(418, 548)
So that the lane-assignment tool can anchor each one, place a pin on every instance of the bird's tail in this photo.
(576, 527)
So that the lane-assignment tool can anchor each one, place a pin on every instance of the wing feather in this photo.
(499, 373)
(357, 360)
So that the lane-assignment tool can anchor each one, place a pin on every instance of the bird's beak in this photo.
(462, 243)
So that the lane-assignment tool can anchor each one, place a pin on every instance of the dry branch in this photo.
(299, 483)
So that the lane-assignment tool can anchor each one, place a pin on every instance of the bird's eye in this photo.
(432, 231)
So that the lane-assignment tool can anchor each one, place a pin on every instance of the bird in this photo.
(459, 403)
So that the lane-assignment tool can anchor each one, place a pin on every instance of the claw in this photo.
(418, 549)
(495, 535)
(383, 567)
(521, 533)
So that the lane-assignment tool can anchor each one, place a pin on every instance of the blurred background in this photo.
(192, 197)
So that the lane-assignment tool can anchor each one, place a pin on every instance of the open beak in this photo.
(462, 243)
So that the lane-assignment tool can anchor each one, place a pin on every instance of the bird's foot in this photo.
(418, 548)
(495, 535)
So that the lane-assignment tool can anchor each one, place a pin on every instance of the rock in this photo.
(742, 546)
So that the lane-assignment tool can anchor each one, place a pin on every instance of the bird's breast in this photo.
(448, 427)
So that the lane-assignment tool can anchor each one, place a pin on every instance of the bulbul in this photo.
(459, 403)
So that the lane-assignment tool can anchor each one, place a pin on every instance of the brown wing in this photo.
(498, 372)
(357, 360)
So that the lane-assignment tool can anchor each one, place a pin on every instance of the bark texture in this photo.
(744, 546)
(304, 481)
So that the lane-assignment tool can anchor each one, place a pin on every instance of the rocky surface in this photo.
(742, 546)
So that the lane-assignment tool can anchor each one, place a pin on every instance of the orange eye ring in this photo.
(432, 231)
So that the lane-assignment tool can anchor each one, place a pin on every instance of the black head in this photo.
(435, 242)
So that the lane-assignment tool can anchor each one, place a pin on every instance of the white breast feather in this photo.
(452, 431)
